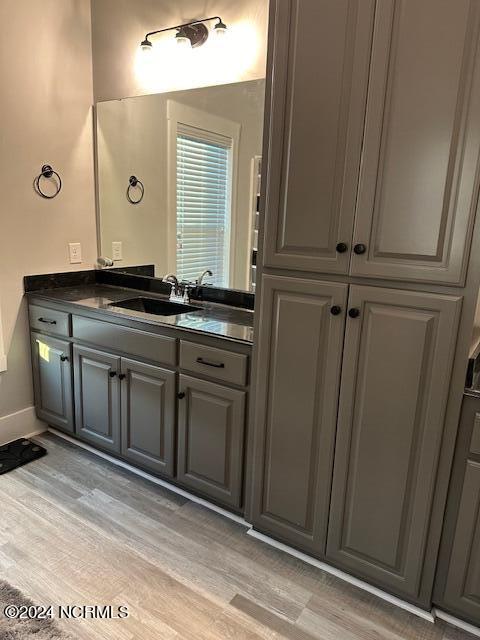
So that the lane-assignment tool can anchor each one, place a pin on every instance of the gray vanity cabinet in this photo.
(97, 397)
(148, 416)
(396, 370)
(299, 357)
(211, 427)
(52, 381)
(321, 53)
(457, 588)
(418, 185)
(462, 592)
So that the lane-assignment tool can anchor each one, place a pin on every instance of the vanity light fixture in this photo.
(191, 33)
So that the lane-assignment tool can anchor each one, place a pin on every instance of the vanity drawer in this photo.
(216, 363)
(145, 345)
(49, 320)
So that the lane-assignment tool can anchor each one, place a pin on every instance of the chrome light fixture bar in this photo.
(194, 33)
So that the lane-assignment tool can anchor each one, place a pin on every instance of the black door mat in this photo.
(19, 452)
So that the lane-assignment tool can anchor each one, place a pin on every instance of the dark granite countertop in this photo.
(212, 319)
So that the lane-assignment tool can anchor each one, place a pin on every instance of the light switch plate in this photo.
(75, 252)
(117, 251)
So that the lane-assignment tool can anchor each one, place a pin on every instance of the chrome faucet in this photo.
(200, 279)
(180, 292)
(172, 279)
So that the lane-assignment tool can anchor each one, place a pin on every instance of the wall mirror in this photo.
(178, 178)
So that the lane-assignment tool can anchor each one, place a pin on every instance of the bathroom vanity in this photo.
(166, 393)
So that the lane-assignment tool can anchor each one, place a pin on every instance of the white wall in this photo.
(120, 25)
(45, 106)
(132, 138)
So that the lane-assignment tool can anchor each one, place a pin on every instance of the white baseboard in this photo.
(421, 613)
(21, 424)
(456, 622)
(144, 474)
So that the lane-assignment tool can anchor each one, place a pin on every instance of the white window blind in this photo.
(203, 206)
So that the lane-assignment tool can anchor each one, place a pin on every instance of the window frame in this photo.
(183, 119)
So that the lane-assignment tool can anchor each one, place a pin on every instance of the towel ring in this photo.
(132, 183)
(47, 172)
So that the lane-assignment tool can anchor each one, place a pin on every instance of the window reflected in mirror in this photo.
(198, 155)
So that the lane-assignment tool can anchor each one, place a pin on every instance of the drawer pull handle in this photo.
(217, 365)
(47, 321)
(181, 395)
(112, 374)
(122, 376)
(64, 358)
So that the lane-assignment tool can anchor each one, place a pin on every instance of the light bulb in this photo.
(220, 29)
(146, 47)
(182, 40)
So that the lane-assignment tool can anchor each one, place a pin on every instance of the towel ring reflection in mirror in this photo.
(48, 173)
(134, 183)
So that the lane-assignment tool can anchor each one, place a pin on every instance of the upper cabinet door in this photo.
(397, 361)
(299, 357)
(419, 178)
(320, 59)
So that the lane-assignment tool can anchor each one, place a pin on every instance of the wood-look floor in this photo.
(75, 529)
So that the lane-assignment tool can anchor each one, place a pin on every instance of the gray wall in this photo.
(46, 80)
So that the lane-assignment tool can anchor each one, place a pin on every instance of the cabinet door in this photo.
(320, 54)
(419, 180)
(462, 591)
(299, 358)
(148, 416)
(395, 378)
(97, 397)
(52, 381)
(211, 425)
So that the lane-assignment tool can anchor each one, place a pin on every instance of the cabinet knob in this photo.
(112, 374)
(336, 310)
(122, 376)
(360, 249)
(354, 313)
(342, 247)
(64, 358)
(181, 395)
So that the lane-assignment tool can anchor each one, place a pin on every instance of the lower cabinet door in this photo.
(97, 397)
(397, 363)
(298, 363)
(211, 426)
(52, 381)
(148, 416)
(462, 588)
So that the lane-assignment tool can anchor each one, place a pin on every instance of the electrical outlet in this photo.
(75, 252)
(117, 251)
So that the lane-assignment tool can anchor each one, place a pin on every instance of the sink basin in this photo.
(155, 307)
